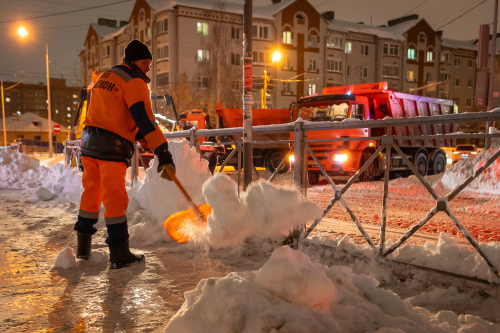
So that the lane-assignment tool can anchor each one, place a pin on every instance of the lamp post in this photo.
(23, 33)
(3, 116)
(275, 58)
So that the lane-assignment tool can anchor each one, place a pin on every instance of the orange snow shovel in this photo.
(195, 217)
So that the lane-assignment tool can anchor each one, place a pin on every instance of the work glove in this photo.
(164, 161)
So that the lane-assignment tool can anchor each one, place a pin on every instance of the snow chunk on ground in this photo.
(65, 184)
(262, 211)
(98, 256)
(66, 259)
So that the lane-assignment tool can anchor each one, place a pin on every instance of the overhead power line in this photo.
(67, 12)
(456, 18)
(411, 10)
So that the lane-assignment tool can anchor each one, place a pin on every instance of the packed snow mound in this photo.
(19, 171)
(263, 211)
(488, 181)
(161, 198)
(65, 184)
(285, 296)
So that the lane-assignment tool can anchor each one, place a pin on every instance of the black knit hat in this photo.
(136, 50)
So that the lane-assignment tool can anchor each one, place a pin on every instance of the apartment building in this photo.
(197, 53)
(24, 98)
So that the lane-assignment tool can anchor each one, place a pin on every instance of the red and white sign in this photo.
(56, 128)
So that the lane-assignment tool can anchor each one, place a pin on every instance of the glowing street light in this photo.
(23, 33)
(276, 56)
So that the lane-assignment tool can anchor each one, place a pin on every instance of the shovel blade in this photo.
(186, 220)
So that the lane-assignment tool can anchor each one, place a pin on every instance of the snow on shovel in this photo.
(177, 225)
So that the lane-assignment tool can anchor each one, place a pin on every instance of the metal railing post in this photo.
(387, 170)
(135, 165)
(300, 158)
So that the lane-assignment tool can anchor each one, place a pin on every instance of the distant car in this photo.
(462, 152)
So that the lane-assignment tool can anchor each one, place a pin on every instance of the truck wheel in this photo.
(369, 174)
(313, 177)
(421, 163)
(272, 162)
(439, 164)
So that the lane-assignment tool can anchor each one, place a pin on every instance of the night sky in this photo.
(24, 60)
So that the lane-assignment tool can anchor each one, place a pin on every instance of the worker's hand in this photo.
(164, 174)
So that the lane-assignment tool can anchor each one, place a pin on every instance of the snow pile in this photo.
(65, 184)
(160, 197)
(66, 259)
(488, 181)
(263, 211)
(292, 294)
(446, 255)
(20, 172)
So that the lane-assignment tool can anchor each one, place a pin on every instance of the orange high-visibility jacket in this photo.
(120, 102)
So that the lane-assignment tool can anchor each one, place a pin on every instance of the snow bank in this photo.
(446, 255)
(285, 296)
(263, 211)
(19, 171)
(488, 181)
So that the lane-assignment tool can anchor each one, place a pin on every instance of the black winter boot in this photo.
(120, 255)
(84, 244)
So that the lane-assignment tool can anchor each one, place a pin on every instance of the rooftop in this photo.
(28, 122)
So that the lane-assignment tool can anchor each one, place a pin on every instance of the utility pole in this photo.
(492, 71)
(48, 100)
(3, 116)
(247, 94)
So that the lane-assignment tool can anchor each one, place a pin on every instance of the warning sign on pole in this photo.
(56, 128)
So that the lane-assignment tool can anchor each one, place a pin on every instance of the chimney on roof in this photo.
(439, 33)
(402, 19)
(329, 15)
(107, 22)
(275, 1)
(123, 23)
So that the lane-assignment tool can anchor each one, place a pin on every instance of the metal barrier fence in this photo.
(389, 142)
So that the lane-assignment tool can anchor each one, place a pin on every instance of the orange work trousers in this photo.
(104, 182)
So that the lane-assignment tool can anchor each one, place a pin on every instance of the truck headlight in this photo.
(340, 158)
(291, 158)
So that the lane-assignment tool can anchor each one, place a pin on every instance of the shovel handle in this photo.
(186, 195)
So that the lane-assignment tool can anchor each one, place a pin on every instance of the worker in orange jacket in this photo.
(119, 111)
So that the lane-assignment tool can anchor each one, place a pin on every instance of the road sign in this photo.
(56, 128)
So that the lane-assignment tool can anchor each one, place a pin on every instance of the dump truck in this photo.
(267, 155)
(374, 101)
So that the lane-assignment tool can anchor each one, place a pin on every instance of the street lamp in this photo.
(276, 57)
(23, 33)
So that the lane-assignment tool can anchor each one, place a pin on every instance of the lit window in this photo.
(69, 115)
(411, 53)
(348, 47)
(410, 76)
(312, 88)
(430, 56)
(287, 37)
(202, 55)
(75, 96)
(68, 108)
(202, 28)
(334, 41)
(57, 111)
(7, 99)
